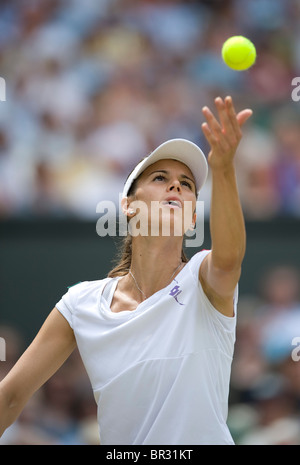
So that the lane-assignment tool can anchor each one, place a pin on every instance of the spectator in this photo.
(80, 76)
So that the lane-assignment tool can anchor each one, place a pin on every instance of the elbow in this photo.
(228, 262)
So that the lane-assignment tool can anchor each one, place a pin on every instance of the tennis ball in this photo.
(238, 53)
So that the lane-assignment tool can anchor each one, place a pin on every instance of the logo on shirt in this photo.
(175, 292)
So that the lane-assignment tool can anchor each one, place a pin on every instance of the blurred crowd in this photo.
(94, 86)
(264, 403)
(265, 383)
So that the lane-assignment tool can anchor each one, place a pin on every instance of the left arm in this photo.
(220, 270)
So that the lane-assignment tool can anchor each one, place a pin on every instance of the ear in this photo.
(125, 204)
(193, 224)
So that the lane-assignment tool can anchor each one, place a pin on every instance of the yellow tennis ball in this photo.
(238, 53)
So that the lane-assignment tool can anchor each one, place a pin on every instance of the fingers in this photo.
(227, 116)
(209, 136)
(229, 124)
(220, 133)
(212, 128)
(243, 116)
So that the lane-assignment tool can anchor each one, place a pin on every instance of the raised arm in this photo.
(220, 270)
(52, 346)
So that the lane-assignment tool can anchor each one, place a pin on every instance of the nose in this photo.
(175, 186)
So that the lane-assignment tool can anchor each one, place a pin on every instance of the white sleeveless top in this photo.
(160, 373)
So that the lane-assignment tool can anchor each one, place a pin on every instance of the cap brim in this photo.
(181, 150)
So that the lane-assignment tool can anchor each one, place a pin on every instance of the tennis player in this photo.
(157, 335)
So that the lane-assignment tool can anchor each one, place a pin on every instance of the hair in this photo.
(123, 260)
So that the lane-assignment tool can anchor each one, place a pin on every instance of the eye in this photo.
(159, 177)
(186, 183)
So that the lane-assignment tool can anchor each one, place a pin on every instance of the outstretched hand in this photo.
(224, 135)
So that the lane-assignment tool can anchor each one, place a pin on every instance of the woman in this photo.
(157, 335)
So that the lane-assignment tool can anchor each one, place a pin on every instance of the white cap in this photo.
(181, 150)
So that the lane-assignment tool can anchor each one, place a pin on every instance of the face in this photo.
(165, 199)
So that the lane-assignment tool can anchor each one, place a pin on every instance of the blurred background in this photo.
(91, 88)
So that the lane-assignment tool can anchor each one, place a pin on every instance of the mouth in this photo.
(172, 203)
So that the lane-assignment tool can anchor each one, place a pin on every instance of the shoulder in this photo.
(83, 291)
(195, 262)
(85, 287)
(209, 297)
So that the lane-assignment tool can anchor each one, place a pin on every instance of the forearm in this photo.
(227, 227)
(8, 411)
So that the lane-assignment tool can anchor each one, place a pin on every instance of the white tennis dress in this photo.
(160, 373)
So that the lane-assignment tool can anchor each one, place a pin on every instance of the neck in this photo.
(154, 260)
